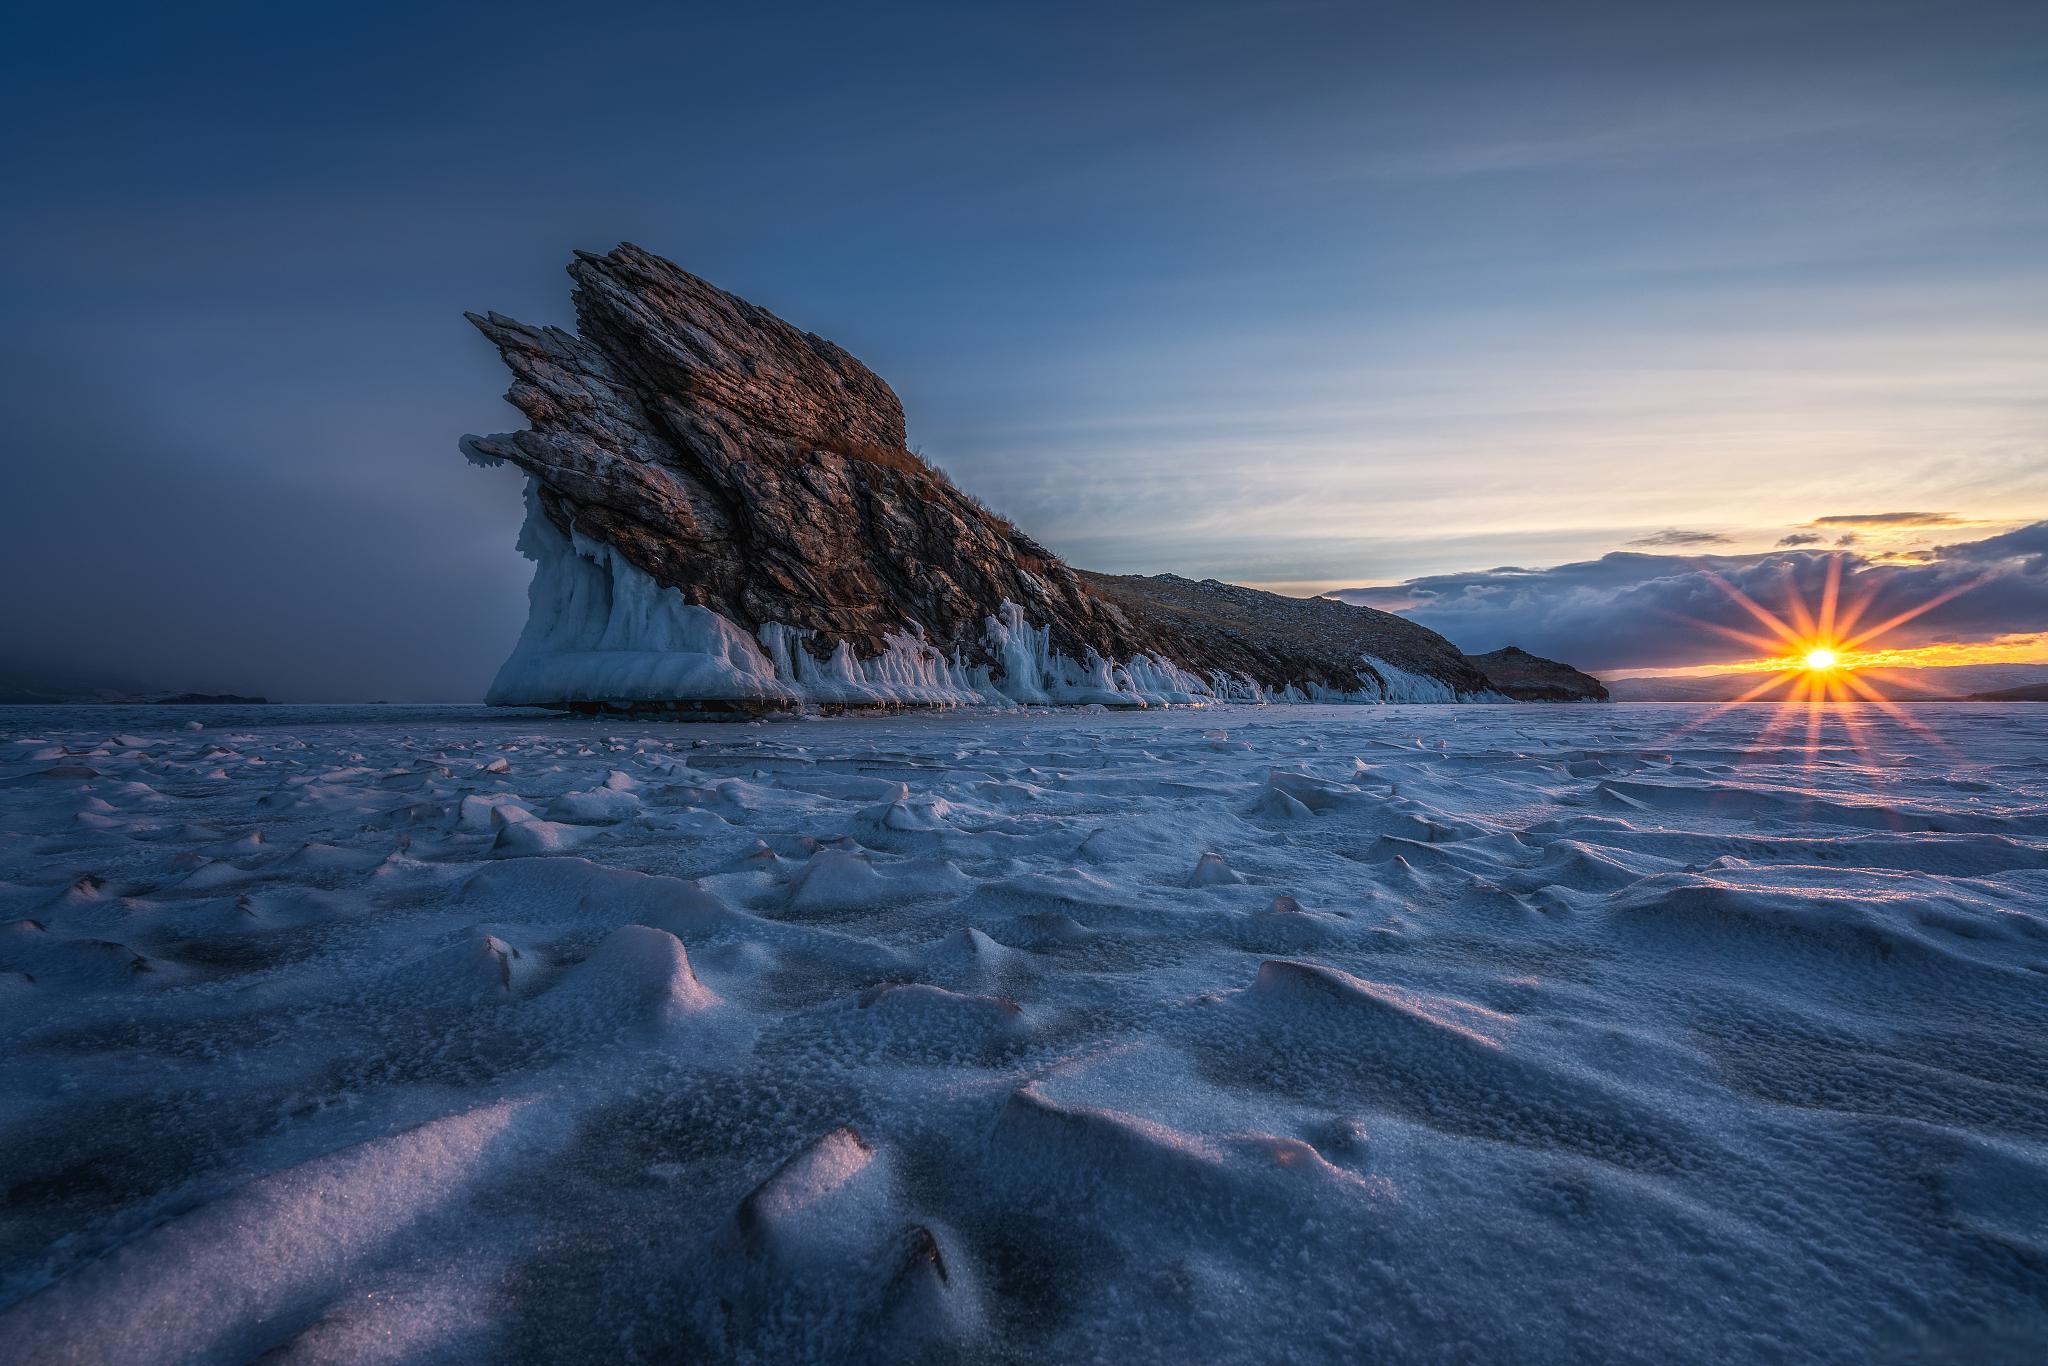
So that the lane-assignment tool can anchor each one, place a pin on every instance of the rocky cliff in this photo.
(723, 511)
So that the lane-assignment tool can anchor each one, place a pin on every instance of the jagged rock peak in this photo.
(723, 509)
(759, 470)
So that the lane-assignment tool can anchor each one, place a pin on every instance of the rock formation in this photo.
(1524, 677)
(723, 512)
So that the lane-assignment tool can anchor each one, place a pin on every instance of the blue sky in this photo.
(1307, 296)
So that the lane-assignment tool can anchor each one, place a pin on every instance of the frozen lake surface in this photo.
(1627, 1033)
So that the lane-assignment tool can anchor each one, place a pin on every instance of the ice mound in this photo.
(908, 817)
(478, 813)
(1291, 795)
(524, 835)
(837, 879)
(637, 978)
(476, 971)
(1284, 925)
(1424, 1020)
(1582, 867)
(837, 1264)
(970, 957)
(817, 1194)
(683, 908)
(1681, 909)
(1212, 870)
(1087, 1153)
(1448, 1063)
(599, 806)
(843, 880)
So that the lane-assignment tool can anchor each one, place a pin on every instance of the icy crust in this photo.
(1476, 1034)
(909, 673)
(600, 629)
(1033, 673)
(1392, 684)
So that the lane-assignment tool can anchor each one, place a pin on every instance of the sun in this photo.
(1813, 656)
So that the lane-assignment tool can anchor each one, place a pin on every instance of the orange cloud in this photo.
(1888, 519)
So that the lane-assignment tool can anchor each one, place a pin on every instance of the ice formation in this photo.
(600, 629)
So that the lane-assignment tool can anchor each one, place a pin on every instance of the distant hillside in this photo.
(1516, 673)
(1903, 685)
(2032, 692)
(22, 685)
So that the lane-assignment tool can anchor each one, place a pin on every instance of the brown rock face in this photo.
(760, 470)
(762, 473)
(1524, 677)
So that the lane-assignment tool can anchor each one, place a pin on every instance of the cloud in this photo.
(1801, 538)
(1628, 610)
(1887, 519)
(1676, 537)
(2028, 543)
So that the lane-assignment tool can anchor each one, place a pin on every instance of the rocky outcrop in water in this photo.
(723, 510)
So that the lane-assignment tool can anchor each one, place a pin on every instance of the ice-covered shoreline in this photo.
(1503, 1033)
(602, 631)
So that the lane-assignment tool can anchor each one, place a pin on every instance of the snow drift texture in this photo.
(1484, 1034)
(723, 510)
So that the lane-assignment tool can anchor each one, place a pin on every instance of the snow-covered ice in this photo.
(1310, 1033)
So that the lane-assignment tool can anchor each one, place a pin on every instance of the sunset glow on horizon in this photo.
(2019, 648)
(1812, 658)
(1816, 647)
